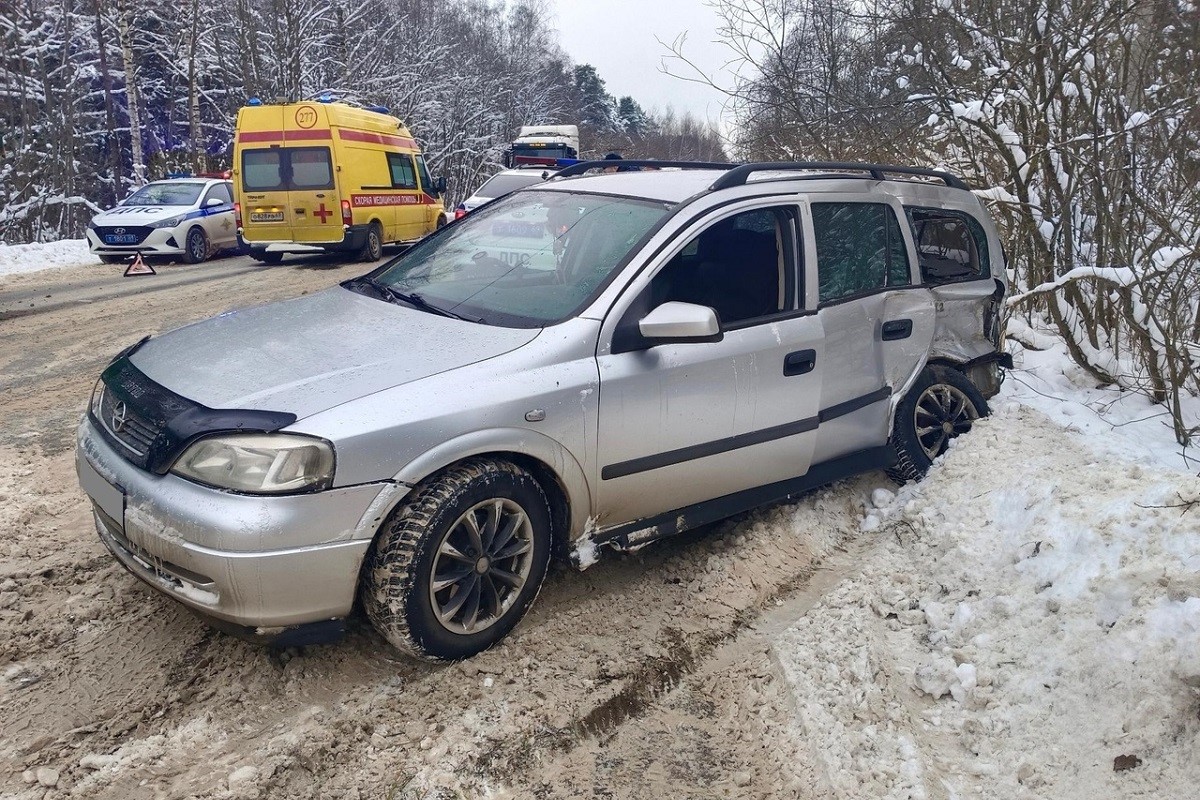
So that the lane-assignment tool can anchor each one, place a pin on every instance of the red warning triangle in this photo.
(139, 267)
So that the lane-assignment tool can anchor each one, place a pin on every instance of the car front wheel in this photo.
(942, 404)
(195, 248)
(455, 568)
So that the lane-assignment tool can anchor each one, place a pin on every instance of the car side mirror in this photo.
(680, 322)
(213, 202)
(439, 185)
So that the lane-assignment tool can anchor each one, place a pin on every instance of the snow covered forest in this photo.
(1078, 120)
(100, 95)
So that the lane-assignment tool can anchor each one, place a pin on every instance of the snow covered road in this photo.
(1022, 624)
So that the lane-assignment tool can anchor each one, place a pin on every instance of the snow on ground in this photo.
(17, 258)
(1029, 625)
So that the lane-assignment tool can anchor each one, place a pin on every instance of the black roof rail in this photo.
(739, 175)
(624, 163)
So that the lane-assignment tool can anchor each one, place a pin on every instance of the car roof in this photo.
(190, 180)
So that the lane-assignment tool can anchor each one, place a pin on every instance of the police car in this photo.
(188, 218)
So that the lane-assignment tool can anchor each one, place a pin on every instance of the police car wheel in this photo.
(195, 249)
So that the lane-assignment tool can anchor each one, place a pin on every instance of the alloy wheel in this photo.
(481, 565)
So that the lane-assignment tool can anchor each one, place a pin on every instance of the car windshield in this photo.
(527, 260)
(499, 185)
(165, 194)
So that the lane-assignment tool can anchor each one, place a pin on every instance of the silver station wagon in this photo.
(598, 360)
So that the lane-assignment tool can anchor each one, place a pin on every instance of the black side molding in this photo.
(683, 519)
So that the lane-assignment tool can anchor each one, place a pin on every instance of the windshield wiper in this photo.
(410, 298)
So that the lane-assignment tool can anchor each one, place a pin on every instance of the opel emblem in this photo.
(118, 230)
(120, 415)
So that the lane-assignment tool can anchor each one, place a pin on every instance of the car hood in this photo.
(313, 353)
(139, 215)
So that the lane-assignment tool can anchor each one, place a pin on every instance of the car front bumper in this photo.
(264, 564)
(160, 241)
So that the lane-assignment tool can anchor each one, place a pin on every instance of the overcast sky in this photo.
(617, 37)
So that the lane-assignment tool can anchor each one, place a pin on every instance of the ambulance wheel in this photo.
(195, 248)
(266, 256)
(441, 221)
(372, 249)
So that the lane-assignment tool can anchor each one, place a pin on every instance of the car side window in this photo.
(403, 174)
(423, 173)
(860, 249)
(951, 246)
(742, 267)
(219, 191)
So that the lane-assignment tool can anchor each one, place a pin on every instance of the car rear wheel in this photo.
(372, 249)
(456, 567)
(195, 247)
(113, 259)
(942, 404)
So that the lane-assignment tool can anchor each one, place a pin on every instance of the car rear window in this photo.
(499, 185)
(286, 168)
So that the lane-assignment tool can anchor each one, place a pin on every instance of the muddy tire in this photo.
(456, 567)
(195, 247)
(372, 249)
(942, 404)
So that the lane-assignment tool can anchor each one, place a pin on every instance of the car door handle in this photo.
(897, 329)
(799, 362)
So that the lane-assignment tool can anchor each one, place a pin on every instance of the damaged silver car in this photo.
(597, 361)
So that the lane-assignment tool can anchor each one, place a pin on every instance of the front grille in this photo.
(122, 420)
(122, 234)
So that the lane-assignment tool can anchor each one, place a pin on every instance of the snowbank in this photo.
(1029, 625)
(17, 258)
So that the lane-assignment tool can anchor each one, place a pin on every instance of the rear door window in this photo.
(311, 168)
(951, 246)
(860, 249)
(286, 168)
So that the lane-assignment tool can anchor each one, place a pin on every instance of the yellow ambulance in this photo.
(329, 175)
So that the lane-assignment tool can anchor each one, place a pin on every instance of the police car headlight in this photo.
(170, 222)
(263, 463)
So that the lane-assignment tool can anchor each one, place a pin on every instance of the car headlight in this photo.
(97, 394)
(259, 463)
(170, 222)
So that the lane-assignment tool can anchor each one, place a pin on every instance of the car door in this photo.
(218, 219)
(877, 325)
(954, 256)
(685, 422)
(409, 212)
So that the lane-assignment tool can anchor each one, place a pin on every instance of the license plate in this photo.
(266, 216)
(527, 230)
(110, 499)
(121, 238)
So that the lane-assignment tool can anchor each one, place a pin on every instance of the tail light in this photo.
(237, 215)
(460, 212)
(347, 215)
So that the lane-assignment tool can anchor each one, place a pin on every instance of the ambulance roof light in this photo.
(379, 109)
(254, 101)
(325, 97)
